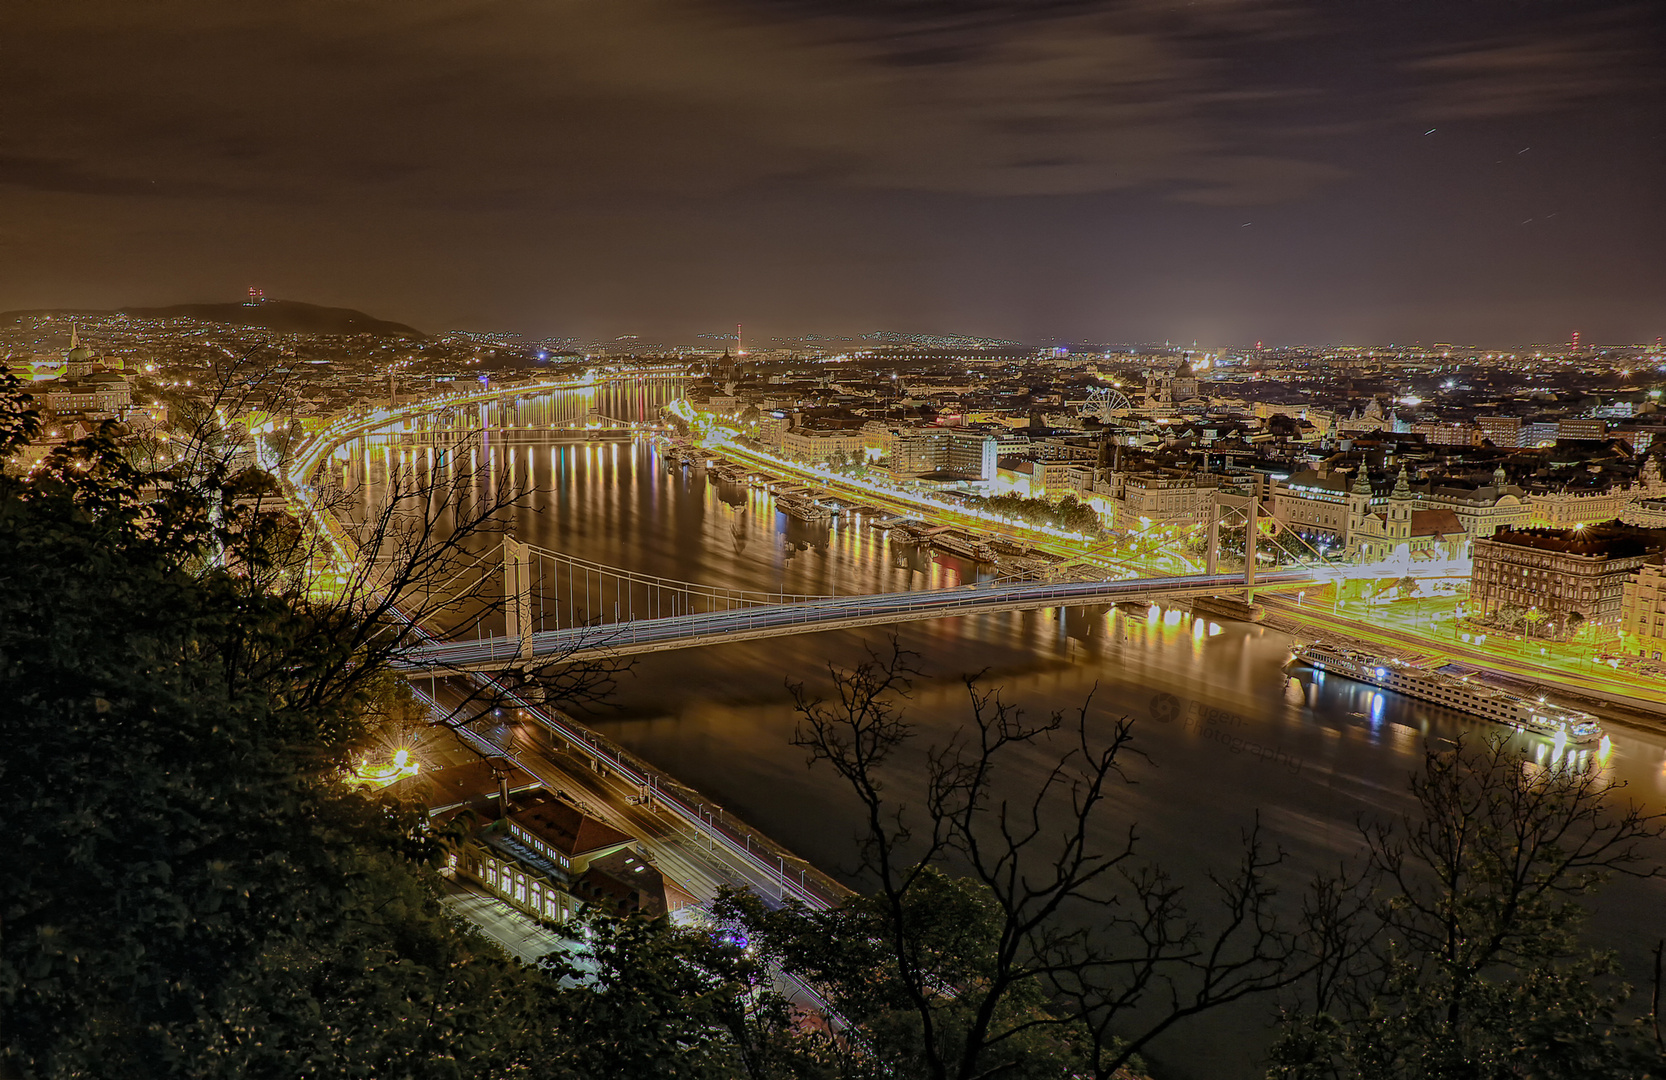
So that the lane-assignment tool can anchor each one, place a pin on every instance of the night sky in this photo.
(1222, 170)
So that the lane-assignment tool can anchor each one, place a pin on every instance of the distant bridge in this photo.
(381, 420)
(559, 609)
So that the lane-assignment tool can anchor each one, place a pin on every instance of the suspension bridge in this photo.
(562, 609)
(557, 608)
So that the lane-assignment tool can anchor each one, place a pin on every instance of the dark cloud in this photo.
(393, 136)
(1060, 99)
(81, 178)
(1536, 75)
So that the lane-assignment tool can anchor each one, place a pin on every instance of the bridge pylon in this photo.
(517, 594)
(1249, 507)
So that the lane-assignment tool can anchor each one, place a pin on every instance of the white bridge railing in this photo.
(797, 615)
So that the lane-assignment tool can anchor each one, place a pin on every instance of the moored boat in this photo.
(802, 508)
(1453, 692)
(960, 544)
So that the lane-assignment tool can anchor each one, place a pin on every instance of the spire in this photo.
(1402, 487)
(78, 353)
(1362, 480)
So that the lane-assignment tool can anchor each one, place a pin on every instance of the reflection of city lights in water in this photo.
(1293, 692)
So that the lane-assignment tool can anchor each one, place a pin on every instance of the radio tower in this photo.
(737, 341)
(1574, 344)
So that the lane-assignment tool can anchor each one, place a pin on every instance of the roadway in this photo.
(811, 616)
(909, 505)
(693, 842)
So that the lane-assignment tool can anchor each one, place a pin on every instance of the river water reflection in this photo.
(1226, 734)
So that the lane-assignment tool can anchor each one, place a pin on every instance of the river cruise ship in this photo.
(1453, 692)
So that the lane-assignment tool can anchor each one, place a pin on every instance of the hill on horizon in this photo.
(284, 316)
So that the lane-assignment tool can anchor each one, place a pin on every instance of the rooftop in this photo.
(567, 828)
(1607, 539)
(474, 783)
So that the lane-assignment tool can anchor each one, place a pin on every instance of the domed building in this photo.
(79, 360)
(88, 387)
(1165, 388)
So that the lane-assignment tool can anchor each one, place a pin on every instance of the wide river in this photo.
(1307, 756)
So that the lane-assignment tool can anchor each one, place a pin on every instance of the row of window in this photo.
(532, 893)
(1460, 700)
(1495, 569)
(537, 845)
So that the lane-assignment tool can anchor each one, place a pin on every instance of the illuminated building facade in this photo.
(1561, 572)
(1643, 611)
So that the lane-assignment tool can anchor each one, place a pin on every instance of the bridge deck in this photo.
(834, 613)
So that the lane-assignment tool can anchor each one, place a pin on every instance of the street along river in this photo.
(1225, 733)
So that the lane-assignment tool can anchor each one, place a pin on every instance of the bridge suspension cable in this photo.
(562, 591)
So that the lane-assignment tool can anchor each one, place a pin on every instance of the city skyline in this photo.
(872, 343)
(1230, 173)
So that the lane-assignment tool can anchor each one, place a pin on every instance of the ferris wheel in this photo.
(1104, 404)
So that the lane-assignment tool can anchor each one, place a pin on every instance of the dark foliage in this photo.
(1068, 512)
(187, 886)
(189, 889)
(1455, 950)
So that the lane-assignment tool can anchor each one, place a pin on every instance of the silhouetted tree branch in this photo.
(1455, 949)
(1050, 945)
